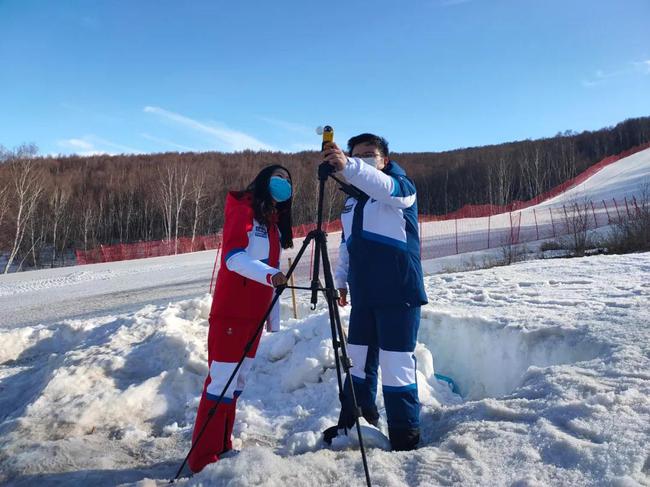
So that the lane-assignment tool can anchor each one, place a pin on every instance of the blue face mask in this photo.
(280, 189)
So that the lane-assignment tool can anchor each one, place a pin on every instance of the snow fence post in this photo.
(214, 268)
(536, 227)
(550, 210)
(489, 226)
(616, 206)
(593, 210)
(293, 293)
(609, 218)
(566, 220)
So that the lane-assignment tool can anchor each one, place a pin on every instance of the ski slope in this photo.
(628, 177)
(102, 366)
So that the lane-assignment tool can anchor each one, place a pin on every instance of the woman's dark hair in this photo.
(263, 204)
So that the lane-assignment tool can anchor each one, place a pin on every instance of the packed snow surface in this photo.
(551, 359)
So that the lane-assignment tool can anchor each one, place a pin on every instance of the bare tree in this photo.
(87, 221)
(172, 193)
(4, 196)
(577, 223)
(198, 194)
(533, 172)
(27, 187)
(58, 204)
(500, 182)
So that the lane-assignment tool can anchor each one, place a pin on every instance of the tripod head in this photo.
(327, 132)
(325, 170)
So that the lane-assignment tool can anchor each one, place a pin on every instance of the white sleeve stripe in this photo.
(243, 264)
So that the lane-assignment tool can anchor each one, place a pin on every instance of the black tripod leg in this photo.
(335, 340)
(338, 338)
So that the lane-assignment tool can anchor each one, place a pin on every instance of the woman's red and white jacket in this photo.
(250, 256)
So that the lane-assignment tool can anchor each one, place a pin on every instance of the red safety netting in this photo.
(141, 250)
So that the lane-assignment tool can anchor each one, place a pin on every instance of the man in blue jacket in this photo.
(380, 261)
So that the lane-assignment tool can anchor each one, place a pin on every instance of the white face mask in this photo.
(371, 161)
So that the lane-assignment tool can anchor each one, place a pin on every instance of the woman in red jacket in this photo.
(257, 223)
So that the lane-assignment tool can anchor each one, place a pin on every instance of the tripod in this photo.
(342, 360)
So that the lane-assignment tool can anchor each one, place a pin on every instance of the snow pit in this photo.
(487, 358)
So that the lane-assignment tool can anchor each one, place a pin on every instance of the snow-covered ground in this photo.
(552, 359)
(102, 366)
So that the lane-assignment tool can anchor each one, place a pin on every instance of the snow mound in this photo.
(551, 357)
(486, 358)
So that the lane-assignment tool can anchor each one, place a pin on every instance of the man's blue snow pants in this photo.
(384, 336)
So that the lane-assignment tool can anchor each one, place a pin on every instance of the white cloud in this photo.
(643, 66)
(232, 139)
(78, 144)
(80, 147)
(124, 149)
(308, 140)
(168, 143)
(300, 147)
(633, 68)
(290, 126)
(91, 145)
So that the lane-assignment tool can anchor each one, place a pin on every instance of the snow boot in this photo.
(404, 439)
(347, 421)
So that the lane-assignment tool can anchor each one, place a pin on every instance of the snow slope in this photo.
(627, 177)
(552, 362)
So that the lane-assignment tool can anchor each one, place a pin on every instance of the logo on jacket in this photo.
(260, 231)
(347, 209)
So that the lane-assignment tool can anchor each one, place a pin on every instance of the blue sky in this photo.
(158, 75)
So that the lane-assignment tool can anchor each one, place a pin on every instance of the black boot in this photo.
(403, 439)
(346, 422)
(347, 419)
(372, 416)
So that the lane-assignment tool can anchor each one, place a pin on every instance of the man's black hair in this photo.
(379, 142)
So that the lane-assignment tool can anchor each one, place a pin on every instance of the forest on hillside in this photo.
(49, 205)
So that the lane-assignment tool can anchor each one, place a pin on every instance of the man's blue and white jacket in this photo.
(380, 246)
